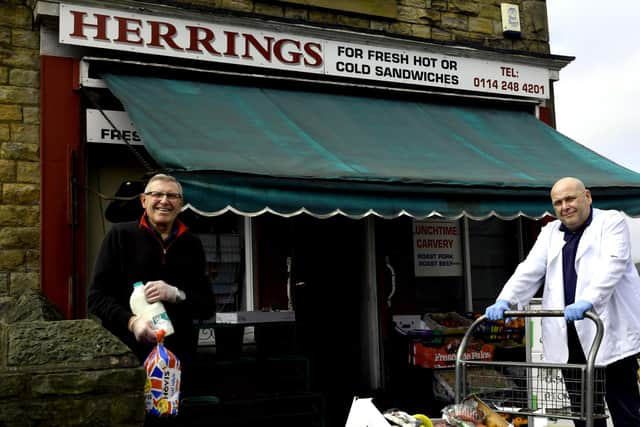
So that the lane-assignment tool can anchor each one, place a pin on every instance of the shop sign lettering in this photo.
(437, 248)
(118, 129)
(207, 41)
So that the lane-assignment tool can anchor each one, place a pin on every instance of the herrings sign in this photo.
(168, 36)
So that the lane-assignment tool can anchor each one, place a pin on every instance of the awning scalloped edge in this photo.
(370, 212)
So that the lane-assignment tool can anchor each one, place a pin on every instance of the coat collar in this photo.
(556, 244)
(586, 241)
(588, 237)
(177, 230)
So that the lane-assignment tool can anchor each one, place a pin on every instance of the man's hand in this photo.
(576, 310)
(142, 330)
(496, 311)
(159, 290)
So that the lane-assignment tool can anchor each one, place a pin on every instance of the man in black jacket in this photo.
(159, 251)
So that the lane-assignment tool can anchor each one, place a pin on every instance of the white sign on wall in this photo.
(205, 41)
(428, 69)
(437, 248)
(100, 130)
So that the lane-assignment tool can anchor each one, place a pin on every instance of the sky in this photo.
(597, 93)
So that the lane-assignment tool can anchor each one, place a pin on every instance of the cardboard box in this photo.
(444, 356)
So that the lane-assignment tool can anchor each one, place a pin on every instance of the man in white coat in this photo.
(583, 260)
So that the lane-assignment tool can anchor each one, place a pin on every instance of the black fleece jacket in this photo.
(132, 252)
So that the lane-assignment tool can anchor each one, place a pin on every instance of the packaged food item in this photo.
(154, 312)
(402, 419)
(462, 415)
(492, 418)
(162, 388)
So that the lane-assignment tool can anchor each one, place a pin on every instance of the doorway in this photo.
(326, 271)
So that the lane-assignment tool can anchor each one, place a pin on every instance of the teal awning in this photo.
(253, 150)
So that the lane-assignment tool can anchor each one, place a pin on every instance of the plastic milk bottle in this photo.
(154, 312)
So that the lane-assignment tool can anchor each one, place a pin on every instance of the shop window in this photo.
(497, 246)
(222, 240)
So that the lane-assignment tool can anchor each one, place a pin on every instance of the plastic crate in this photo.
(449, 323)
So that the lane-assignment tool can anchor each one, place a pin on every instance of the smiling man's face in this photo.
(571, 202)
(162, 201)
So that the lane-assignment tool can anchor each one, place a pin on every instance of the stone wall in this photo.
(52, 372)
(64, 372)
(19, 150)
(468, 22)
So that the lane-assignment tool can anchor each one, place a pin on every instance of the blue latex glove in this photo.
(576, 310)
(496, 311)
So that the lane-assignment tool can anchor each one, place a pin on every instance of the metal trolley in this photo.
(534, 388)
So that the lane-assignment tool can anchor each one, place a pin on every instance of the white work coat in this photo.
(606, 278)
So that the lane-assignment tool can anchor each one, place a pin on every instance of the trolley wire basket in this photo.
(551, 390)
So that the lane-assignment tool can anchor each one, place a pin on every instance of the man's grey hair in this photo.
(162, 177)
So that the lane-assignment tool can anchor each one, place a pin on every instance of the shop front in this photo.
(342, 182)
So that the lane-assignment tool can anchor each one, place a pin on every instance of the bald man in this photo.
(583, 260)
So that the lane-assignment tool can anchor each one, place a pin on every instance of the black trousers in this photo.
(621, 389)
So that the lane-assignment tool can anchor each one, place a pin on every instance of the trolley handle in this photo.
(591, 358)
(538, 313)
(546, 313)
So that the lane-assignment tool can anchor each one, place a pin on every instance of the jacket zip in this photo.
(164, 248)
